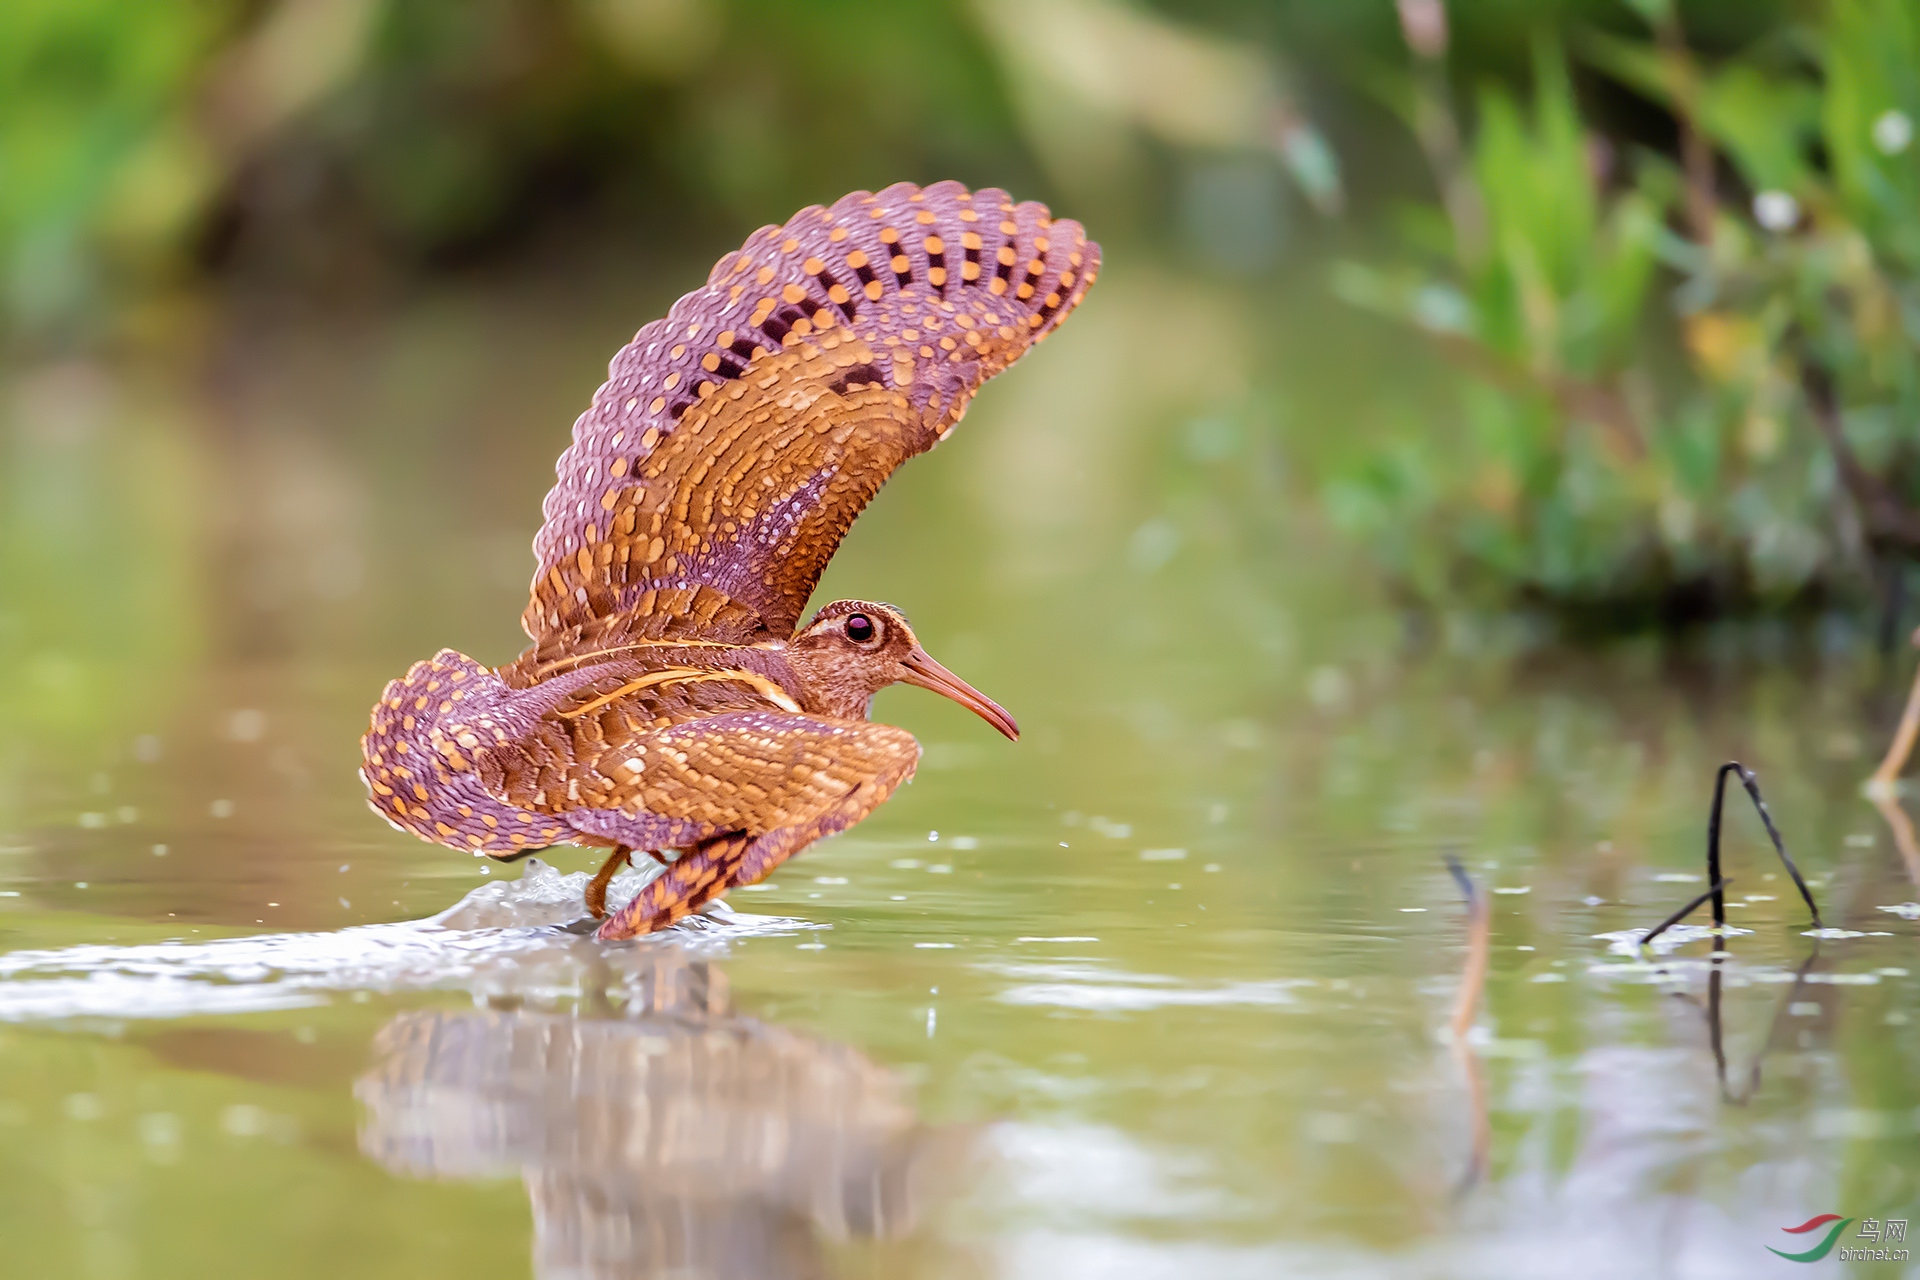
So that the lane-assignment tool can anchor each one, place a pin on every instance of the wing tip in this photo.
(943, 239)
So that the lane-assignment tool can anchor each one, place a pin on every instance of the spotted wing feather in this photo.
(734, 441)
(741, 770)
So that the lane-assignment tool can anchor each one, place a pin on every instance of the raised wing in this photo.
(734, 441)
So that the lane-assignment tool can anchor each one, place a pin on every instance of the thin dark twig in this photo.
(1683, 912)
(1718, 882)
(1469, 891)
(1713, 845)
(1752, 784)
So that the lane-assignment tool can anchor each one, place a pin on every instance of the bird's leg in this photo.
(597, 887)
(714, 866)
(711, 868)
(690, 880)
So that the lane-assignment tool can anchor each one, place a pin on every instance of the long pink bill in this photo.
(922, 670)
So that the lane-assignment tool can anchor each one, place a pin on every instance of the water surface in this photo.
(1162, 990)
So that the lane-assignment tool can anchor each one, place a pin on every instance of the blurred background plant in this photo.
(336, 139)
(172, 173)
(1667, 255)
(1688, 340)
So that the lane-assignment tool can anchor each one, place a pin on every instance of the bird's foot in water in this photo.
(597, 887)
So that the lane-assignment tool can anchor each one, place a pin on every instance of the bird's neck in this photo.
(827, 687)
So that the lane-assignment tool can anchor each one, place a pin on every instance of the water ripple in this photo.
(515, 936)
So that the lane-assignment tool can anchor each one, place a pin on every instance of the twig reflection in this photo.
(1895, 816)
(1716, 1030)
(1882, 783)
(1473, 981)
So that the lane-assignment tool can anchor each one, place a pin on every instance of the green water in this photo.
(1161, 990)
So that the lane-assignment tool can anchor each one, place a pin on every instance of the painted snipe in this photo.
(668, 703)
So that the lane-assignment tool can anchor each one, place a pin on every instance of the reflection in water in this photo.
(1901, 826)
(1473, 982)
(1232, 1078)
(1716, 1033)
(671, 1137)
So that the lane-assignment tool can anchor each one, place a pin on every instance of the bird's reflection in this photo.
(668, 1137)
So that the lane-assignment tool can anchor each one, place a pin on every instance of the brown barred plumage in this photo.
(667, 701)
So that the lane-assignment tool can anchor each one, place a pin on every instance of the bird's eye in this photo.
(860, 628)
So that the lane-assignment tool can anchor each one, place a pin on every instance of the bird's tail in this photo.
(420, 761)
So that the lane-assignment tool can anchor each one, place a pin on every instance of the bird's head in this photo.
(852, 649)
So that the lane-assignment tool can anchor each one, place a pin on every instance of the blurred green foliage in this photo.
(95, 152)
(1649, 226)
(1649, 332)
(330, 140)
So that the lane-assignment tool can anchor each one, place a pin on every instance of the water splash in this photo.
(528, 937)
(1627, 942)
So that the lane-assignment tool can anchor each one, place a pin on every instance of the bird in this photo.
(671, 702)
